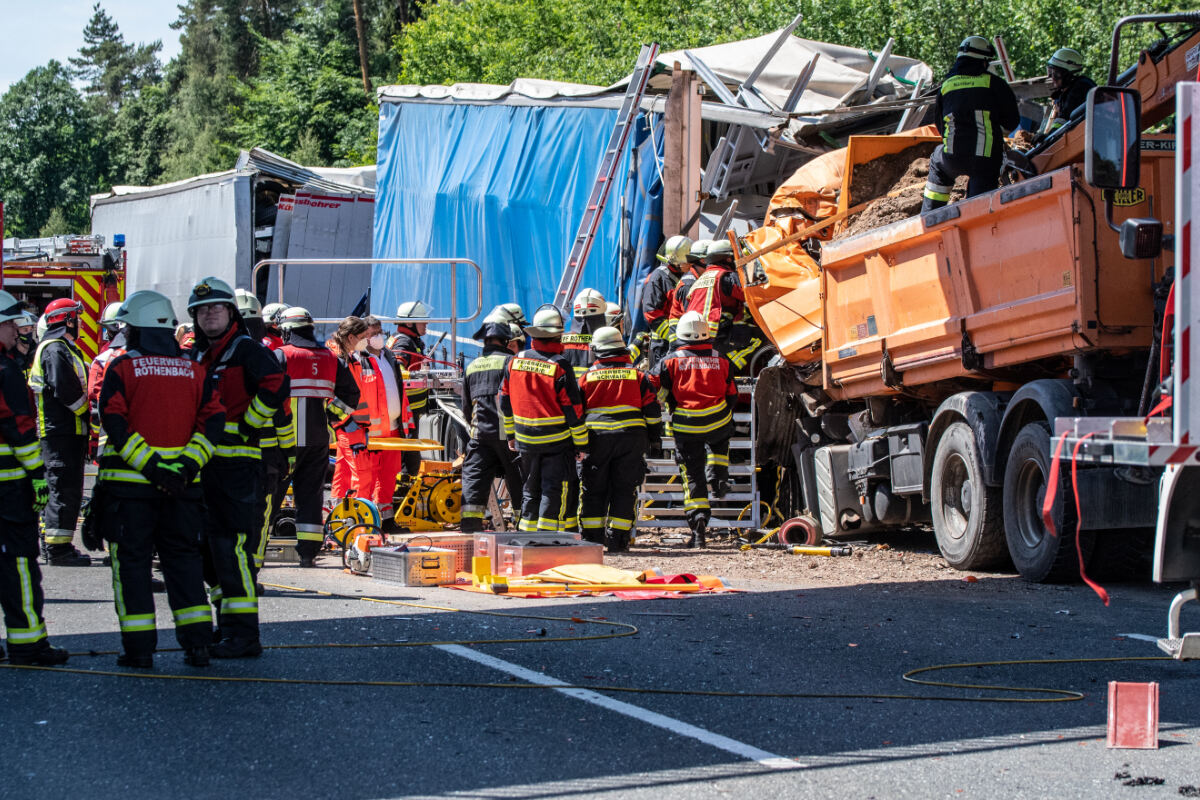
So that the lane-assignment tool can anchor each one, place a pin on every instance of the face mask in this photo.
(25, 338)
(376, 341)
(360, 346)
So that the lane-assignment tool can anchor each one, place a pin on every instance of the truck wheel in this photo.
(966, 511)
(1038, 556)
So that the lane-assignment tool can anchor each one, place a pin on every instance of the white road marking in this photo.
(740, 749)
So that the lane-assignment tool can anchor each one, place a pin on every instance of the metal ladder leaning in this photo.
(592, 213)
(660, 502)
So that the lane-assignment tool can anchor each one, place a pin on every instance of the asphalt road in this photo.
(98, 736)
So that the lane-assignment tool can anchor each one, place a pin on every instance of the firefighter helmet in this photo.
(698, 249)
(612, 315)
(588, 303)
(272, 312)
(248, 305)
(692, 327)
(108, 318)
(295, 317)
(548, 323)
(507, 312)
(607, 341)
(210, 291)
(676, 250)
(720, 250)
(496, 330)
(413, 309)
(1067, 60)
(516, 330)
(147, 309)
(10, 309)
(62, 310)
(27, 320)
(976, 47)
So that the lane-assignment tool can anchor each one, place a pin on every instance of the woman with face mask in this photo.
(348, 342)
(396, 420)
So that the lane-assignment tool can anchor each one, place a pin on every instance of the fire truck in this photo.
(84, 268)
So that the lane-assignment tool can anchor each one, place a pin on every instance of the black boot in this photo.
(699, 530)
(136, 660)
(617, 541)
(41, 655)
(65, 555)
(720, 489)
(196, 656)
(236, 648)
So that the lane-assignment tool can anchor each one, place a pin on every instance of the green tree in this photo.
(57, 225)
(48, 147)
(112, 70)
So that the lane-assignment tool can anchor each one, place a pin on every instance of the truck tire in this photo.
(1123, 555)
(966, 511)
(1038, 556)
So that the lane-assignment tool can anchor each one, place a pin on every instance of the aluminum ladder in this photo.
(592, 213)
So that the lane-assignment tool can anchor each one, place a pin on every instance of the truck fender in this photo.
(982, 411)
(1033, 402)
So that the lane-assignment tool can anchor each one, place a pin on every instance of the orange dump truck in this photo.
(931, 354)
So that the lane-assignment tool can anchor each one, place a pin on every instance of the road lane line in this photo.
(740, 749)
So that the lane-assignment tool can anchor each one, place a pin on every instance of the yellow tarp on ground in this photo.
(587, 573)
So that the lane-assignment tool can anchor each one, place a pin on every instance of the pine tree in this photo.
(111, 69)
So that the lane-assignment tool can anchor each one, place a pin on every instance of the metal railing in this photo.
(454, 263)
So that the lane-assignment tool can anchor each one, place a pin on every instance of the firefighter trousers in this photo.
(702, 461)
(231, 494)
(275, 478)
(612, 472)
(484, 462)
(64, 456)
(944, 168)
(551, 490)
(308, 482)
(20, 577)
(136, 528)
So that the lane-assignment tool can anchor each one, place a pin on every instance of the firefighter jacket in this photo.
(20, 453)
(679, 302)
(481, 387)
(1064, 101)
(717, 296)
(619, 399)
(156, 407)
(252, 386)
(700, 389)
(577, 345)
(58, 379)
(409, 349)
(656, 300)
(371, 413)
(322, 392)
(111, 350)
(540, 402)
(974, 108)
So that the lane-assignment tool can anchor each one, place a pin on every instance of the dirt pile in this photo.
(907, 171)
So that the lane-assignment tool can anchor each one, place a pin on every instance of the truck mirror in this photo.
(1111, 138)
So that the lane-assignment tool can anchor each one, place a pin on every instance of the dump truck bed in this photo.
(1020, 276)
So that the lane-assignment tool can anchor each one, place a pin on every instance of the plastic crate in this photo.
(416, 566)
(463, 545)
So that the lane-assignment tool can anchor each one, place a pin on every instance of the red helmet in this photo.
(61, 310)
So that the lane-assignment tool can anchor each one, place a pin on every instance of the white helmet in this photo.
(507, 312)
(676, 250)
(548, 323)
(147, 309)
(248, 305)
(413, 309)
(588, 303)
(271, 312)
(42, 327)
(27, 320)
(721, 249)
(108, 318)
(976, 47)
(1066, 59)
(692, 327)
(697, 251)
(518, 333)
(10, 308)
(295, 317)
(612, 315)
(608, 341)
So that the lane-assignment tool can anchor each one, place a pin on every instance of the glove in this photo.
(358, 447)
(41, 493)
(89, 531)
(169, 477)
(248, 432)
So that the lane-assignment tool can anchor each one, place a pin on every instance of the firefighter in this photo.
(717, 294)
(272, 313)
(352, 454)
(23, 494)
(973, 109)
(58, 378)
(22, 352)
(323, 393)
(543, 421)
(700, 393)
(624, 422)
(1070, 86)
(395, 420)
(487, 456)
(588, 309)
(114, 345)
(185, 335)
(162, 416)
(656, 294)
(408, 346)
(678, 305)
(252, 386)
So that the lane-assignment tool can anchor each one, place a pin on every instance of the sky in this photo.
(34, 31)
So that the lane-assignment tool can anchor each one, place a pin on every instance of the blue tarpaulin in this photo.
(505, 186)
